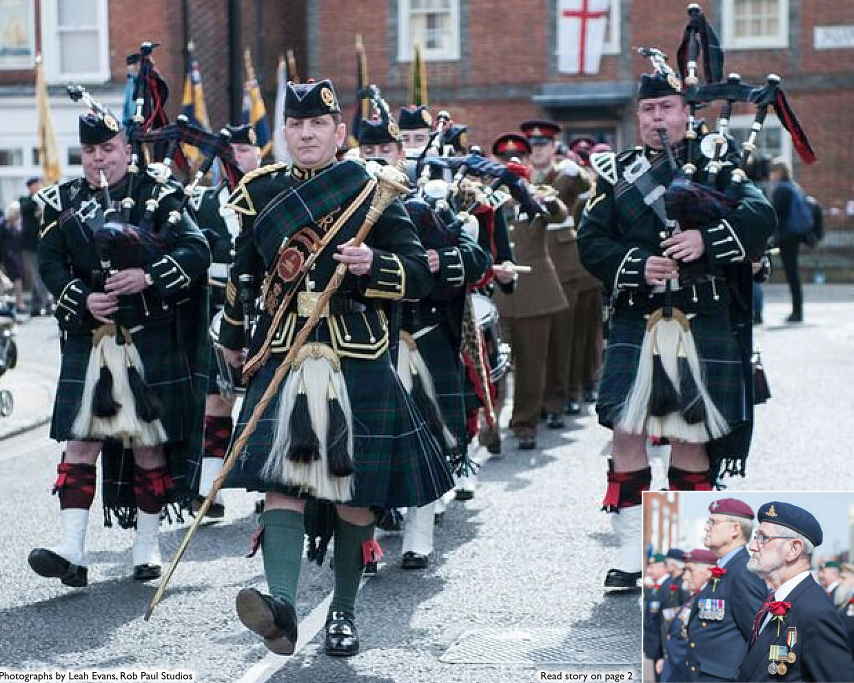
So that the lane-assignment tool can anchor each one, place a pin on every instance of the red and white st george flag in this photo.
(581, 27)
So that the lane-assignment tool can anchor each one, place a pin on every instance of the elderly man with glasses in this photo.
(721, 620)
(797, 633)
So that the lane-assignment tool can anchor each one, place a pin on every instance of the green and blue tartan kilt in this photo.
(446, 368)
(717, 349)
(167, 371)
(398, 462)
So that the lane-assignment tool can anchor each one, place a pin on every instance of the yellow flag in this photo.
(48, 149)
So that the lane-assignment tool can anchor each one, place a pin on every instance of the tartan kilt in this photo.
(446, 368)
(398, 463)
(167, 371)
(717, 349)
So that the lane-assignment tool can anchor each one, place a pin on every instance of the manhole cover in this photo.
(538, 646)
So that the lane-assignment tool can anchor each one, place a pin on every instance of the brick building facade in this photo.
(89, 46)
(661, 521)
(489, 67)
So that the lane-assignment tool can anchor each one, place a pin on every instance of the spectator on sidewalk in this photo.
(788, 241)
(30, 219)
(10, 251)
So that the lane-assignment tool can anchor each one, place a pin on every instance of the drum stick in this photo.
(521, 269)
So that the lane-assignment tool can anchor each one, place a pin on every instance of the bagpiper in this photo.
(220, 225)
(341, 429)
(126, 294)
(624, 240)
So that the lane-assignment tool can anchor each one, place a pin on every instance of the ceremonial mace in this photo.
(390, 184)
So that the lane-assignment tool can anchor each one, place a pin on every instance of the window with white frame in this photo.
(17, 34)
(75, 40)
(612, 33)
(432, 24)
(749, 24)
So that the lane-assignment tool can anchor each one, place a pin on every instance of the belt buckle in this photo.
(307, 302)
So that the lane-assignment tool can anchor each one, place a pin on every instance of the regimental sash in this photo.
(291, 232)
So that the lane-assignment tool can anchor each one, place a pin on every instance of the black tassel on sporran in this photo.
(148, 405)
(337, 438)
(303, 445)
(103, 403)
(663, 397)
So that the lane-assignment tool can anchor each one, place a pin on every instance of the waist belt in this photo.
(339, 304)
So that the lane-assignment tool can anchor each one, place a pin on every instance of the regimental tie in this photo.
(760, 617)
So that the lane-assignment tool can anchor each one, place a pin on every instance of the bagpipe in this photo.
(669, 397)
(118, 403)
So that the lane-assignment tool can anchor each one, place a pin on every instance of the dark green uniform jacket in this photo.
(286, 215)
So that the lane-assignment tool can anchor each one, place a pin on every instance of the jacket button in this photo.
(693, 668)
(692, 645)
(704, 624)
(668, 636)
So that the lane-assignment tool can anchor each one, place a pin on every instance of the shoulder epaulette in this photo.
(240, 200)
(49, 196)
(605, 165)
(263, 170)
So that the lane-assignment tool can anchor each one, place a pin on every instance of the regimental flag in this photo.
(193, 103)
(254, 111)
(48, 149)
(581, 28)
(280, 147)
(129, 107)
(363, 100)
(418, 79)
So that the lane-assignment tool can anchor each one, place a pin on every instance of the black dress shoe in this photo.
(411, 560)
(342, 640)
(795, 318)
(390, 520)
(47, 563)
(491, 439)
(370, 569)
(438, 517)
(554, 421)
(527, 443)
(146, 572)
(215, 511)
(464, 494)
(572, 408)
(273, 619)
(616, 578)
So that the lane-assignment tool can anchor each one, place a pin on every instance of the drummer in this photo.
(221, 227)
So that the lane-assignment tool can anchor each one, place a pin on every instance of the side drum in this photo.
(228, 378)
(486, 315)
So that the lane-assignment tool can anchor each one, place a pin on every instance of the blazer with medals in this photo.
(716, 646)
(822, 651)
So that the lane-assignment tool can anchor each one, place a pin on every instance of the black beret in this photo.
(306, 100)
(676, 554)
(793, 517)
(242, 135)
(413, 118)
(96, 127)
(378, 132)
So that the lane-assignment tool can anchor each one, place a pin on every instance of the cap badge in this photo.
(327, 98)
(536, 131)
(714, 506)
(111, 123)
(674, 82)
(511, 145)
(251, 136)
(393, 130)
(425, 115)
(771, 512)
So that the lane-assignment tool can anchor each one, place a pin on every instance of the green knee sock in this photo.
(282, 548)
(348, 564)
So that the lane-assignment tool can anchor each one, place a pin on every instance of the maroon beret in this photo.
(701, 555)
(731, 506)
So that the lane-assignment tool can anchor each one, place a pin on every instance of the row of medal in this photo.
(711, 609)
(781, 655)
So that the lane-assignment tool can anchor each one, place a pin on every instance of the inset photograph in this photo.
(751, 586)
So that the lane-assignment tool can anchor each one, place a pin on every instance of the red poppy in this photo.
(674, 588)
(717, 575)
(850, 602)
(779, 608)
